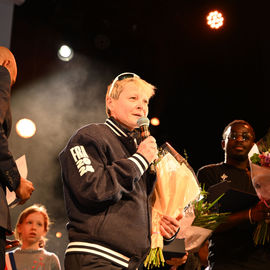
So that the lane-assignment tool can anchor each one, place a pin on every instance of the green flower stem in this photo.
(155, 258)
(261, 234)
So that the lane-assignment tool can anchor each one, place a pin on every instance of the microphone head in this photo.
(143, 121)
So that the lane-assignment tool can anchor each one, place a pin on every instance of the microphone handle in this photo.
(152, 168)
(144, 132)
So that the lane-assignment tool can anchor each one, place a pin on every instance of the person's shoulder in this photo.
(92, 128)
(213, 166)
(53, 258)
(209, 174)
(89, 133)
(48, 253)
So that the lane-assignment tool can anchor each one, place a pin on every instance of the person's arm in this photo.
(253, 215)
(90, 174)
(8, 169)
(233, 220)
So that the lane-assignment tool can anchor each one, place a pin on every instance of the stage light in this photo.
(58, 234)
(215, 19)
(65, 53)
(155, 121)
(25, 128)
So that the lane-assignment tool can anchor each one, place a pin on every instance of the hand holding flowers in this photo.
(176, 187)
(260, 214)
(169, 226)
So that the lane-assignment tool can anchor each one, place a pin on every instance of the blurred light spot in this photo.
(65, 53)
(155, 121)
(215, 19)
(58, 234)
(25, 128)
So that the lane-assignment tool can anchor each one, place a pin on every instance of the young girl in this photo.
(31, 229)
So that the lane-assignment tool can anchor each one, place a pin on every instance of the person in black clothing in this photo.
(231, 245)
(9, 174)
(107, 184)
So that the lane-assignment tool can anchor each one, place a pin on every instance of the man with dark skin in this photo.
(231, 245)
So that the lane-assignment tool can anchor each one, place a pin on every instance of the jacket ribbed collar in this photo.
(120, 130)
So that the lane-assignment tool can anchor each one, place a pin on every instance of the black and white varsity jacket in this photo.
(107, 188)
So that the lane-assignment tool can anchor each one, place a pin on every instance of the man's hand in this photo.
(260, 212)
(12, 243)
(177, 261)
(24, 190)
(169, 226)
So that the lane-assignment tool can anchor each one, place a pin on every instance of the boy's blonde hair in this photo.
(36, 208)
(119, 86)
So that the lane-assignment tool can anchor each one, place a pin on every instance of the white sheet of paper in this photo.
(253, 150)
(195, 236)
(12, 200)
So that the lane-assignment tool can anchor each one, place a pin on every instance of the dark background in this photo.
(205, 78)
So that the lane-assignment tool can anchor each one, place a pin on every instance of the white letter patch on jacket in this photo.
(81, 159)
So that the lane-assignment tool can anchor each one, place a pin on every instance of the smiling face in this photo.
(131, 105)
(32, 230)
(238, 141)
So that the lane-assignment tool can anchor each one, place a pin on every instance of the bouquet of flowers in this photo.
(204, 216)
(199, 221)
(176, 187)
(260, 174)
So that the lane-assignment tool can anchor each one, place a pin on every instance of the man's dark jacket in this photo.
(9, 175)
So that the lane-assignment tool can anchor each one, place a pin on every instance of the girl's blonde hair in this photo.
(119, 86)
(36, 208)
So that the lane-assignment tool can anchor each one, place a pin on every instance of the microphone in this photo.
(143, 124)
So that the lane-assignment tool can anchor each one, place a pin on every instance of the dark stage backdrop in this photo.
(205, 78)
